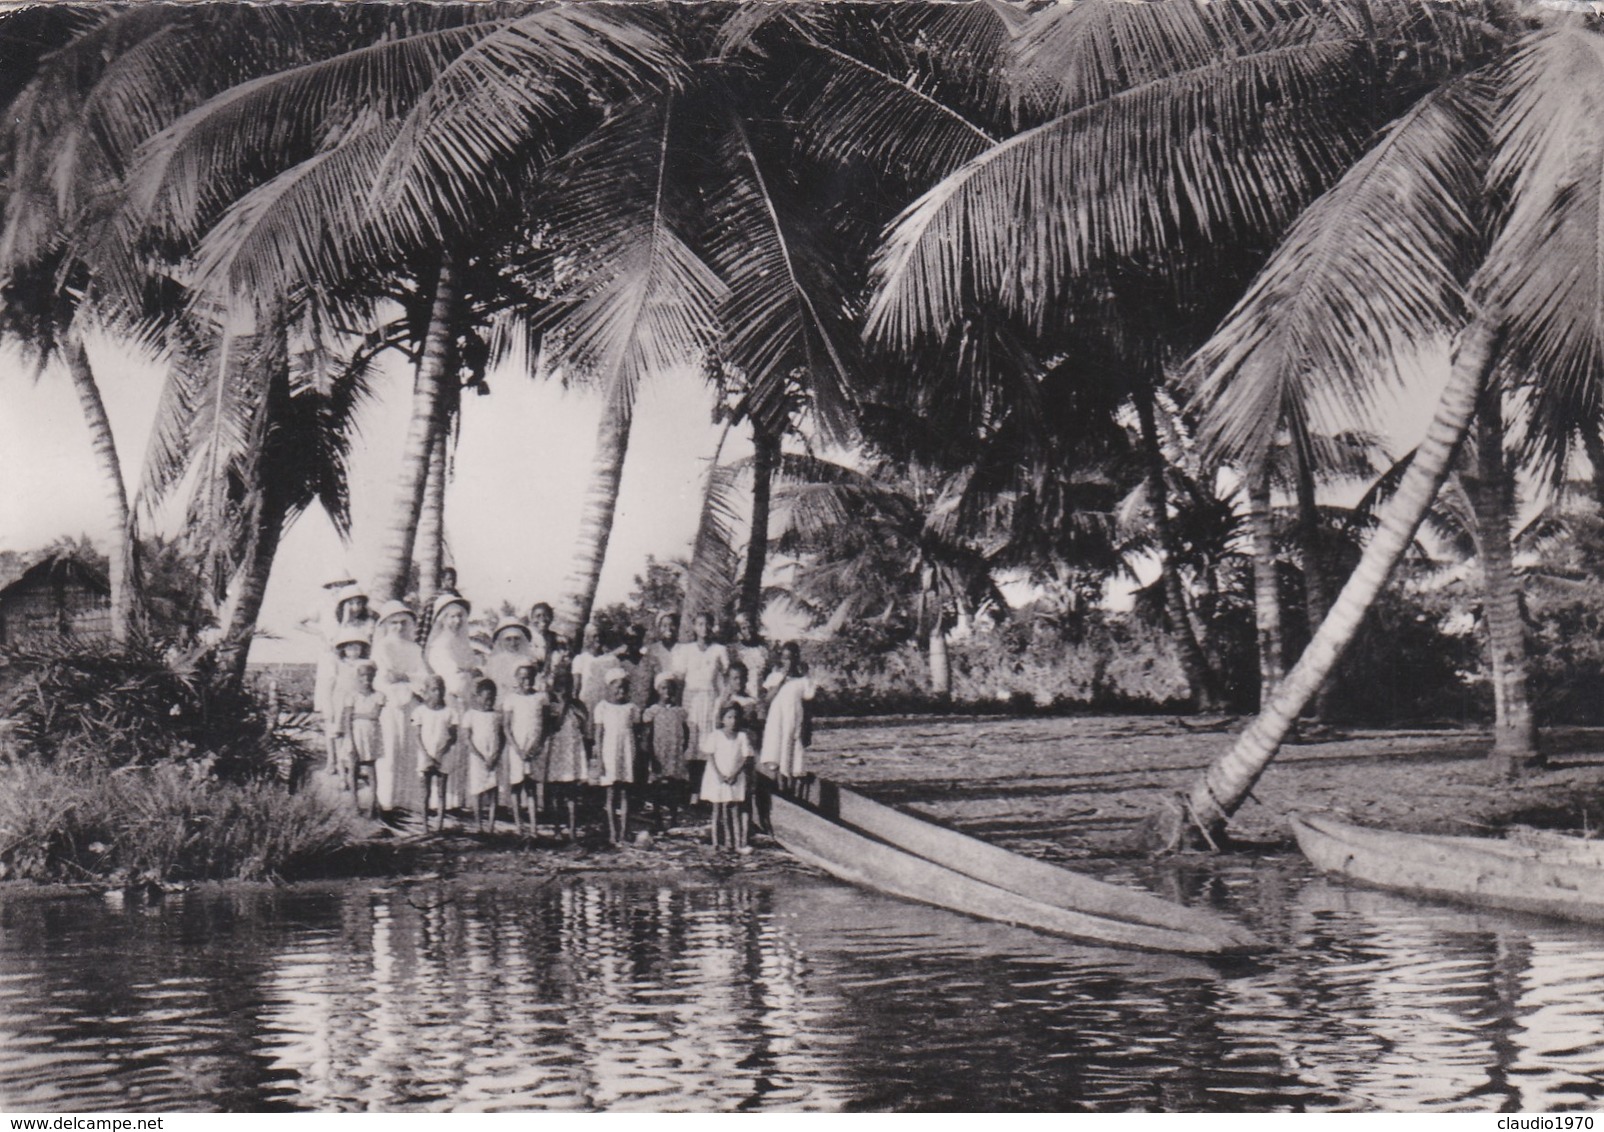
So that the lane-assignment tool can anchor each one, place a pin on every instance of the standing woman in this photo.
(451, 657)
(785, 733)
(350, 613)
(402, 674)
(701, 663)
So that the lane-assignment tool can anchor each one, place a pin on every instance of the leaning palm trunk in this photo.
(1593, 444)
(428, 392)
(124, 599)
(1492, 496)
(1226, 784)
(431, 545)
(250, 588)
(596, 525)
(1266, 585)
(1200, 677)
(766, 457)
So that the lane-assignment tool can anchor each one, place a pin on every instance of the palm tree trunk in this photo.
(1492, 496)
(123, 575)
(940, 661)
(596, 526)
(1201, 678)
(431, 546)
(250, 588)
(766, 457)
(428, 391)
(1227, 783)
(1266, 585)
(1316, 587)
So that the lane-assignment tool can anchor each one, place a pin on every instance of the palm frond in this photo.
(1372, 268)
(1546, 269)
(636, 299)
(1188, 146)
(713, 574)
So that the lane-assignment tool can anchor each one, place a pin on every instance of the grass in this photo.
(162, 823)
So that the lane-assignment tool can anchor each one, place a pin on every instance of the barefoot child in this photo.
(724, 781)
(613, 730)
(566, 752)
(669, 738)
(351, 650)
(437, 735)
(525, 713)
(361, 731)
(486, 739)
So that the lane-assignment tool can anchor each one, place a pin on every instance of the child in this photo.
(590, 668)
(525, 713)
(361, 731)
(751, 707)
(613, 735)
(565, 755)
(785, 737)
(483, 728)
(437, 734)
(669, 738)
(724, 781)
(351, 650)
(701, 663)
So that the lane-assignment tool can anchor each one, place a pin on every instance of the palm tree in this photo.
(887, 538)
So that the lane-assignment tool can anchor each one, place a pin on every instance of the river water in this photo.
(780, 990)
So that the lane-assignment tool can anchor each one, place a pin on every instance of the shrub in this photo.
(159, 823)
(111, 708)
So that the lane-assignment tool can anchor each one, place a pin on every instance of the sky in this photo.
(512, 509)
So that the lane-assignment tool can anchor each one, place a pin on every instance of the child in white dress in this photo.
(525, 714)
(482, 727)
(613, 737)
(436, 725)
(728, 751)
(362, 733)
(785, 738)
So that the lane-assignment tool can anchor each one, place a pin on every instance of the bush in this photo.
(159, 823)
(1112, 663)
(109, 708)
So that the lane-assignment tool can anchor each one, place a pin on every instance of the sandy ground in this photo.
(1075, 788)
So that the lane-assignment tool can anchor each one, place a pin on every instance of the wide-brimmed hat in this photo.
(394, 608)
(507, 623)
(444, 600)
(353, 635)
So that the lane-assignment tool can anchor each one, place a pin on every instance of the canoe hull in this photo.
(1480, 871)
(863, 859)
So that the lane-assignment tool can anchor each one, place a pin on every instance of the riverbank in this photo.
(1071, 789)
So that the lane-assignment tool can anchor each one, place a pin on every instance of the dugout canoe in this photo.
(891, 851)
(1545, 875)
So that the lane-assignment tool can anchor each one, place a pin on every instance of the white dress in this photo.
(615, 753)
(526, 717)
(400, 679)
(702, 669)
(783, 749)
(481, 750)
(725, 755)
(434, 727)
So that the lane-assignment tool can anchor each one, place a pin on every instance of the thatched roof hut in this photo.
(59, 596)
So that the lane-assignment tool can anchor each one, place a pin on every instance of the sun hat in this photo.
(444, 600)
(508, 623)
(394, 608)
(615, 676)
(664, 680)
(353, 635)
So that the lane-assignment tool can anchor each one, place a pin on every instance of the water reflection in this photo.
(592, 993)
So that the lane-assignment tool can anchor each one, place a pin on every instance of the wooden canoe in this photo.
(1565, 880)
(890, 851)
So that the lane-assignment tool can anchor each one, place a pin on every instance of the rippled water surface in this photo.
(786, 992)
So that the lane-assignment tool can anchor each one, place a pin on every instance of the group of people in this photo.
(432, 719)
